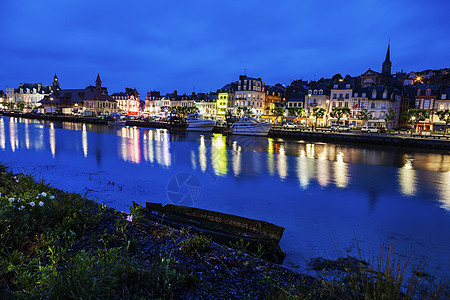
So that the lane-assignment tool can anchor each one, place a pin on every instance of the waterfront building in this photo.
(425, 99)
(318, 97)
(274, 94)
(226, 97)
(129, 102)
(206, 104)
(153, 103)
(222, 104)
(379, 100)
(340, 96)
(31, 93)
(94, 99)
(2, 99)
(442, 102)
(250, 93)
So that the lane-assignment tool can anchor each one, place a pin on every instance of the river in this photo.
(326, 195)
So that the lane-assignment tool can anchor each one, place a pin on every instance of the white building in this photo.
(250, 93)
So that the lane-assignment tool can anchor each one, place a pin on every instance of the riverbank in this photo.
(58, 244)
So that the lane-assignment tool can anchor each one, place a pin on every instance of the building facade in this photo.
(30, 94)
(129, 102)
(250, 93)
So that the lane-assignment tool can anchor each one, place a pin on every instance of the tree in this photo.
(444, 115)
(244, 110)
(337, 77)
(364, 115)
(20, 105)
(296, 111)
(318, 112)
(415, 115)
(278, 112)
(339, 112)
(390, 115)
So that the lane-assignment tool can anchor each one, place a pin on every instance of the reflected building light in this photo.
(236, 159)
(27, 136)
(2, 134)
(149, 154)
(305, 169)
(193, 160)
(136, 146)
(282, 163)
(310, 150)
(166, 151)
(219, 157)
(84, 140)
(52, 139)
(323, 168)
(340, 171)
(13, 138)
(407, 178)
(202, 153)
(444, 190)
(270, 157)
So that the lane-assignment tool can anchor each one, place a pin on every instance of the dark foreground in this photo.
(55, 244)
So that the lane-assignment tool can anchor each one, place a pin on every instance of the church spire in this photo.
(386, 69)
(98, 82)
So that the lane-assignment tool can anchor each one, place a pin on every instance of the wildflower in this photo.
(17, 180)
(32, 204)
(51, 197)
(11, 199)
(41, 203)
(22, 207)
(130, 218)
(15, 177)
(44, 194)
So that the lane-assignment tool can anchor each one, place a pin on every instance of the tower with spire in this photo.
(386, 69)
(98, 82)
(55, 83)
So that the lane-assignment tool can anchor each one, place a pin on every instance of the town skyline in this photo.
(196, 47)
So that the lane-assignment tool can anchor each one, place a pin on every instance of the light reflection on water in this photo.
(312, 189)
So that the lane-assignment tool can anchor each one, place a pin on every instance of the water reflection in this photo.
(407, 178)
(84, 141)
(325, 165)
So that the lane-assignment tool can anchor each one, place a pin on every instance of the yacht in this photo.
(196, 123)
(249, 126)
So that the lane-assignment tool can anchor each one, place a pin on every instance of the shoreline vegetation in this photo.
(60, 245)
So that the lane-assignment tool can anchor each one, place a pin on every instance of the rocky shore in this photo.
(55, 244)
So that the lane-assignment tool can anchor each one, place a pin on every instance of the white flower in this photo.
(11, 199)
(130, 218)
(44, 194)
(51, 197)
(22, 207)
(15, 177)
(41, 203)
(17, 180)
(32, 204)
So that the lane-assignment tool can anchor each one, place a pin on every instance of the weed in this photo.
(195, 244)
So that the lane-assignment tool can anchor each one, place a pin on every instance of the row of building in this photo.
(381, 94)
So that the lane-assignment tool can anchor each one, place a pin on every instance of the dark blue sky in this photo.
(202, 45)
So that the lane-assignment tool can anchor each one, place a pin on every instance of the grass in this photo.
(61, 245)
(46, 248)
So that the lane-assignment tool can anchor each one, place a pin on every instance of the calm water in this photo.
(323, 194)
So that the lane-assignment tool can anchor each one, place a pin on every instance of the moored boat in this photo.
(249, 126)
(196, 123)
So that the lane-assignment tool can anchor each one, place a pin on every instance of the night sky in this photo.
(202, 45)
